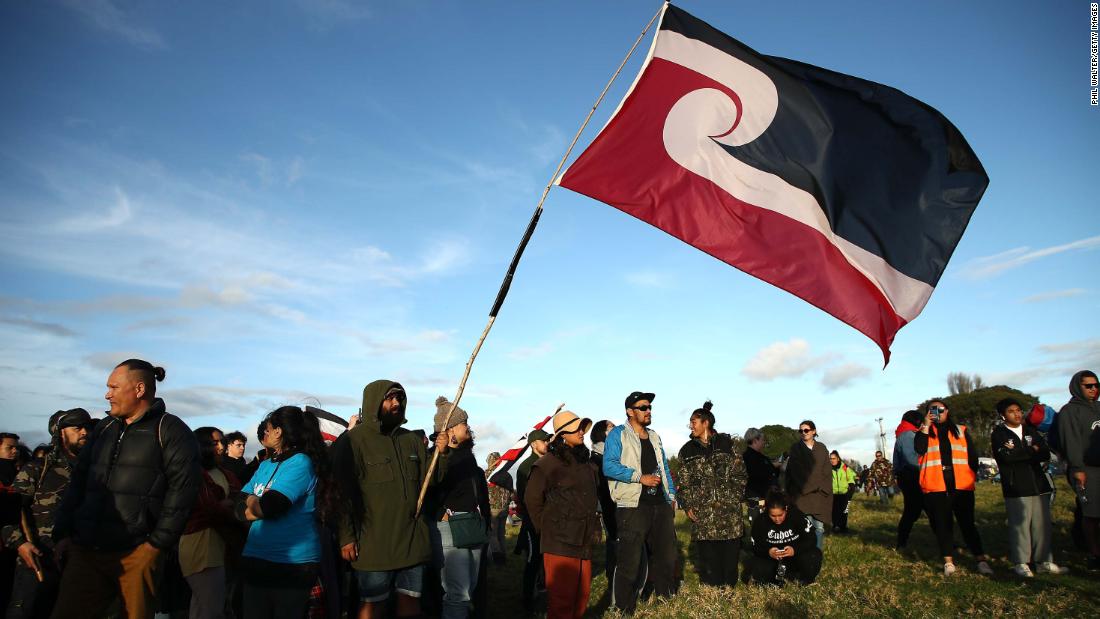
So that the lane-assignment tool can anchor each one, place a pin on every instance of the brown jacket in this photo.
(562, 504)
(810, 480)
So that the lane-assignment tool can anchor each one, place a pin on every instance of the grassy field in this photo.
(863, 576)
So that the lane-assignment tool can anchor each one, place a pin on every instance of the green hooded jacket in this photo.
(386, 469)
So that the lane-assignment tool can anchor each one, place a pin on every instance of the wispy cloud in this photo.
(843, 375)
(108, 17)
(989, 266)
(524, 353)
(326, 14)
(789, 359)
(838, 437)
(116, 215)
(48, 328)
(1054, 294)
(246, 403)
(1051, 363)
(649, 279)
(107, 360)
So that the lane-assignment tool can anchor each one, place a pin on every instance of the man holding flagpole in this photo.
(380, 466)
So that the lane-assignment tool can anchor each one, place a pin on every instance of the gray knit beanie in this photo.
(442, 405)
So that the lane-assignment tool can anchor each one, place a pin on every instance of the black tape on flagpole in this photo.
(527, 234)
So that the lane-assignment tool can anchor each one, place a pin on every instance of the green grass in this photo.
(863, 576)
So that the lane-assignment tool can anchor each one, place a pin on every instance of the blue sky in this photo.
(281, 201)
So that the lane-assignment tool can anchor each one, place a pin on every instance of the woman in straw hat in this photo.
(563, 504)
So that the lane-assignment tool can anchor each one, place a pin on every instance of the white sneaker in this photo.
(1022, 570)
(985, 570)
(948, 569)
(1051, 568)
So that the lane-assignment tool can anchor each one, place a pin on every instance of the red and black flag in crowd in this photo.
(331, 425)
(846, 193)
(510, 457)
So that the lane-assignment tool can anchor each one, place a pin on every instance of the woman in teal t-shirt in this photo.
(284, 501)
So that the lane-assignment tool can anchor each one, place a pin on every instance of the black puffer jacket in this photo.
(132, 484)
(1022, 465)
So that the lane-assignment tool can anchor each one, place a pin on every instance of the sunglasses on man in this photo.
(1090, 385)
(643, 408)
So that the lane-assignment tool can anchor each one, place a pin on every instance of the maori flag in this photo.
(331, 425)
(510, 457)
(846, 193)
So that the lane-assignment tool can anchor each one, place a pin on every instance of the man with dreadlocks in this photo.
(712, 489)
(40, 485)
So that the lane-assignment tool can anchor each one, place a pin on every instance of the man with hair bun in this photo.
(711, 490)
(131, 493)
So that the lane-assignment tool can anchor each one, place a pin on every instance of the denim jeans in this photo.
(819, 531)
(458, 568)
(885, 494)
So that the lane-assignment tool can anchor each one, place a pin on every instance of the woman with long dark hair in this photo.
(286, 499)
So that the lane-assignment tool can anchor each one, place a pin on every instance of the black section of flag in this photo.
(891, 173)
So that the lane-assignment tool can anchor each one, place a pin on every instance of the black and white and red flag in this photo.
(846, 193)
(331, 425)
(510, 457)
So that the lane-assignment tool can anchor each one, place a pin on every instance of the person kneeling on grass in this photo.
(784, 544)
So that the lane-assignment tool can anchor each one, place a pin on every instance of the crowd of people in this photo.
(384, 520)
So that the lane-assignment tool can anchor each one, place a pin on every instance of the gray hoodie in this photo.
(1076, 422)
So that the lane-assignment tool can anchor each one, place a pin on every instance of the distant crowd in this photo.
(136, 513)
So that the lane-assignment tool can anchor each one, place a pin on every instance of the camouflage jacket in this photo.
(712, 485)
(882, 473)
(499, 498)
(40, 485)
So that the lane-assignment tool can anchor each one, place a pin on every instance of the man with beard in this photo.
(1078, 428)
(212, 537)
(41, 485)
(641, 485)
(381, 466)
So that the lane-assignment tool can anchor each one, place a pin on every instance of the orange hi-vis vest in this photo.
(932, 463)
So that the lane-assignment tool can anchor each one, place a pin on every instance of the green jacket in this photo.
(522, 477)
(385, 470)
(842, 476)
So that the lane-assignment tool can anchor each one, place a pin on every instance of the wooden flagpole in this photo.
(510, 274)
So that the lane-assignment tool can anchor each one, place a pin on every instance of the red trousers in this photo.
(568, 585)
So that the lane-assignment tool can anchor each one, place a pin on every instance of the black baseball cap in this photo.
(537, 435)
(72, 418)
(638, 396)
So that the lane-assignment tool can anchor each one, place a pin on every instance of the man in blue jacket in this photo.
(641, 485)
